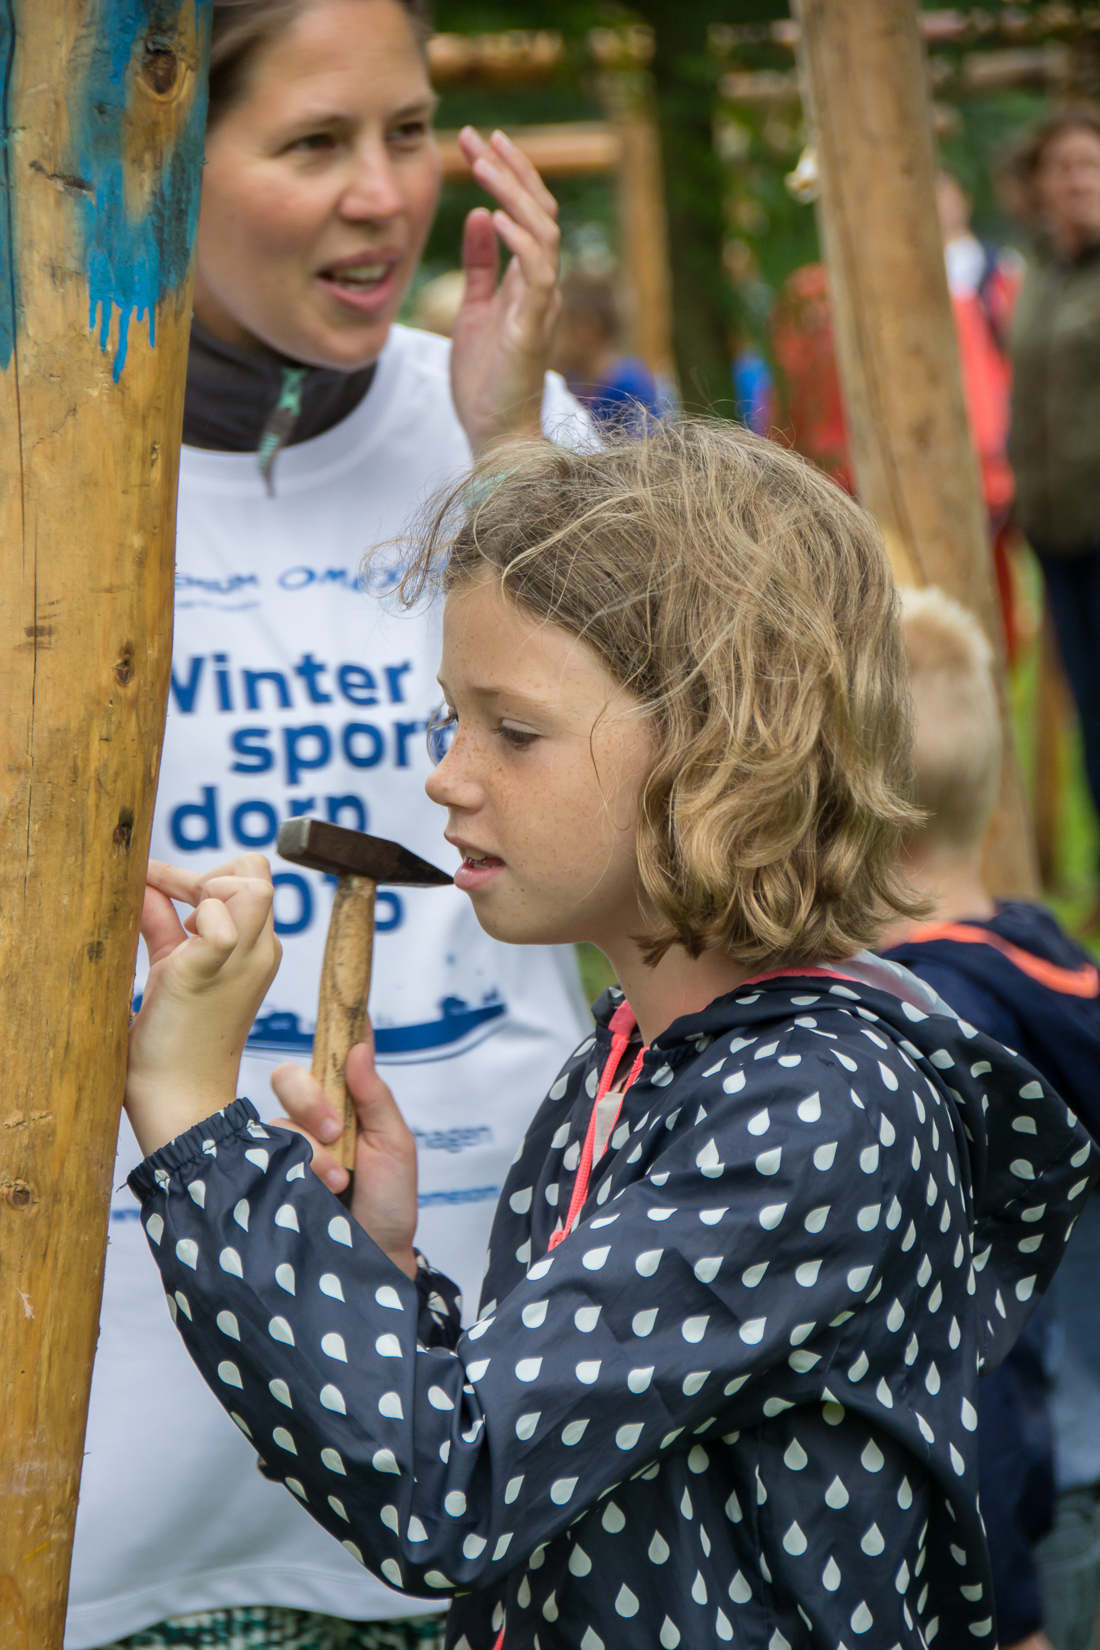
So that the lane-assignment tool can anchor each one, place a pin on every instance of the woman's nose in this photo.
(373, 191)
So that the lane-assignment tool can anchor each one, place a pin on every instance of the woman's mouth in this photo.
(366, 285)
(475, 873)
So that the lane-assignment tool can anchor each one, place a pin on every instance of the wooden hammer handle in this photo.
(342, 1005)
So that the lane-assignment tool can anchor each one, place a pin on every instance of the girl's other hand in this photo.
(207, 979)
(383, 1199)
(502, 335)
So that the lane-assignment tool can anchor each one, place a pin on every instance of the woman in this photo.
(313, 427)
(1055, 446)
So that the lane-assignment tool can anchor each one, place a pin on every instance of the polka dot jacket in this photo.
(735, 1405)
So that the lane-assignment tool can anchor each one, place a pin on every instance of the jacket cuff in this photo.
(241, 1120)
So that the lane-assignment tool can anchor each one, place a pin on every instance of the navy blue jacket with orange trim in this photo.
(1030, 986)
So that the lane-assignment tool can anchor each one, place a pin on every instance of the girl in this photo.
(772, 1216)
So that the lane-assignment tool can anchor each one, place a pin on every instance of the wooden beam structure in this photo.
(103, 114)
(863, 71)
(574, 149)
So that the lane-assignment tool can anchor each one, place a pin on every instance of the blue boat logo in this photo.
(457, 1028)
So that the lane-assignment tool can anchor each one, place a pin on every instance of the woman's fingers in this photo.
(525, 171)
(539, 272)
(480, 257)
(502, 155)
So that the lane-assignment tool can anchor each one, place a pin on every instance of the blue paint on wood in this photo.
(133, 259)
(7, 266)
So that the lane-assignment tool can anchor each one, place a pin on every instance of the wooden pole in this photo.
(864, 73)
(643, 240)
(103, 112)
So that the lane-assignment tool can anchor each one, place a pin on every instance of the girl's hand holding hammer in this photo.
(207, 979)
(383, 1198)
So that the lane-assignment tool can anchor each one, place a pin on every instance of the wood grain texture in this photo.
(342, 1003)
(865, 81)
(103, 109)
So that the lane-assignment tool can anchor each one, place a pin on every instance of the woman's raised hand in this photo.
(383, 1199)
(502, 334)
(207, 979)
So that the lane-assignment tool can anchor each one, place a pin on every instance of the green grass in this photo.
(1074, 893)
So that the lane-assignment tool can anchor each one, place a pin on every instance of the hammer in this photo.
(360, 862)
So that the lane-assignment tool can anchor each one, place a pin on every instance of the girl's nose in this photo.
(452, 784)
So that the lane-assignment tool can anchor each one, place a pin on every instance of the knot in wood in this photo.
(159, 68)
(19, 1194)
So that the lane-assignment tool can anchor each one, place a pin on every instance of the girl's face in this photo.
(320, 187)
(543, 778)
(1069, 184)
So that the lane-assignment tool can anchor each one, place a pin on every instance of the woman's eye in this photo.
(313, 143)
(410, 133)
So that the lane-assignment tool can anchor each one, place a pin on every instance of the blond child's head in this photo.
(742, 605)
(957, 726)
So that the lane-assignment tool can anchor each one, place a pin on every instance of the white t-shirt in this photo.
(295, 692)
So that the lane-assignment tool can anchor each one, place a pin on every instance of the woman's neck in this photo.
(675, 986)
(1070, 240)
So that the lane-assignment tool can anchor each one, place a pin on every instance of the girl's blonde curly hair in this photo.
(746, 602)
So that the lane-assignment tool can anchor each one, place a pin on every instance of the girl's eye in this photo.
(441, 731)
(517, 737)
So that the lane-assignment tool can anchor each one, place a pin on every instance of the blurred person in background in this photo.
(1055, 444)
(587, 352)
(753, 387)
(436, 306)
(984, 281)
(1009, 969)
(809, 406)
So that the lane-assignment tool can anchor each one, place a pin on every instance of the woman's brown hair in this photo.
(1025, 162)
(242, 28)
(746, 602)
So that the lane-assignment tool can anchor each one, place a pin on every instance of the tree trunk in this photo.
(103, 112)
(696, 188)
(864, 72)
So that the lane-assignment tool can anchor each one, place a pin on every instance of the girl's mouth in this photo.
(475, 874)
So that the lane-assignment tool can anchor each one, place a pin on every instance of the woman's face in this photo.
(1068, 182)
(320, 187)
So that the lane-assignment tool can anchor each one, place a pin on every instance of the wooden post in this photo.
(643, 240)
(864, 74)
(103, 113)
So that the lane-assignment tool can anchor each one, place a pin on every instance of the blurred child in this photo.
(616, 388)
(762, 1233)
(1008, 968)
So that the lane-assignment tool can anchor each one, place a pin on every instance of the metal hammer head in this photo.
(342, 853)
